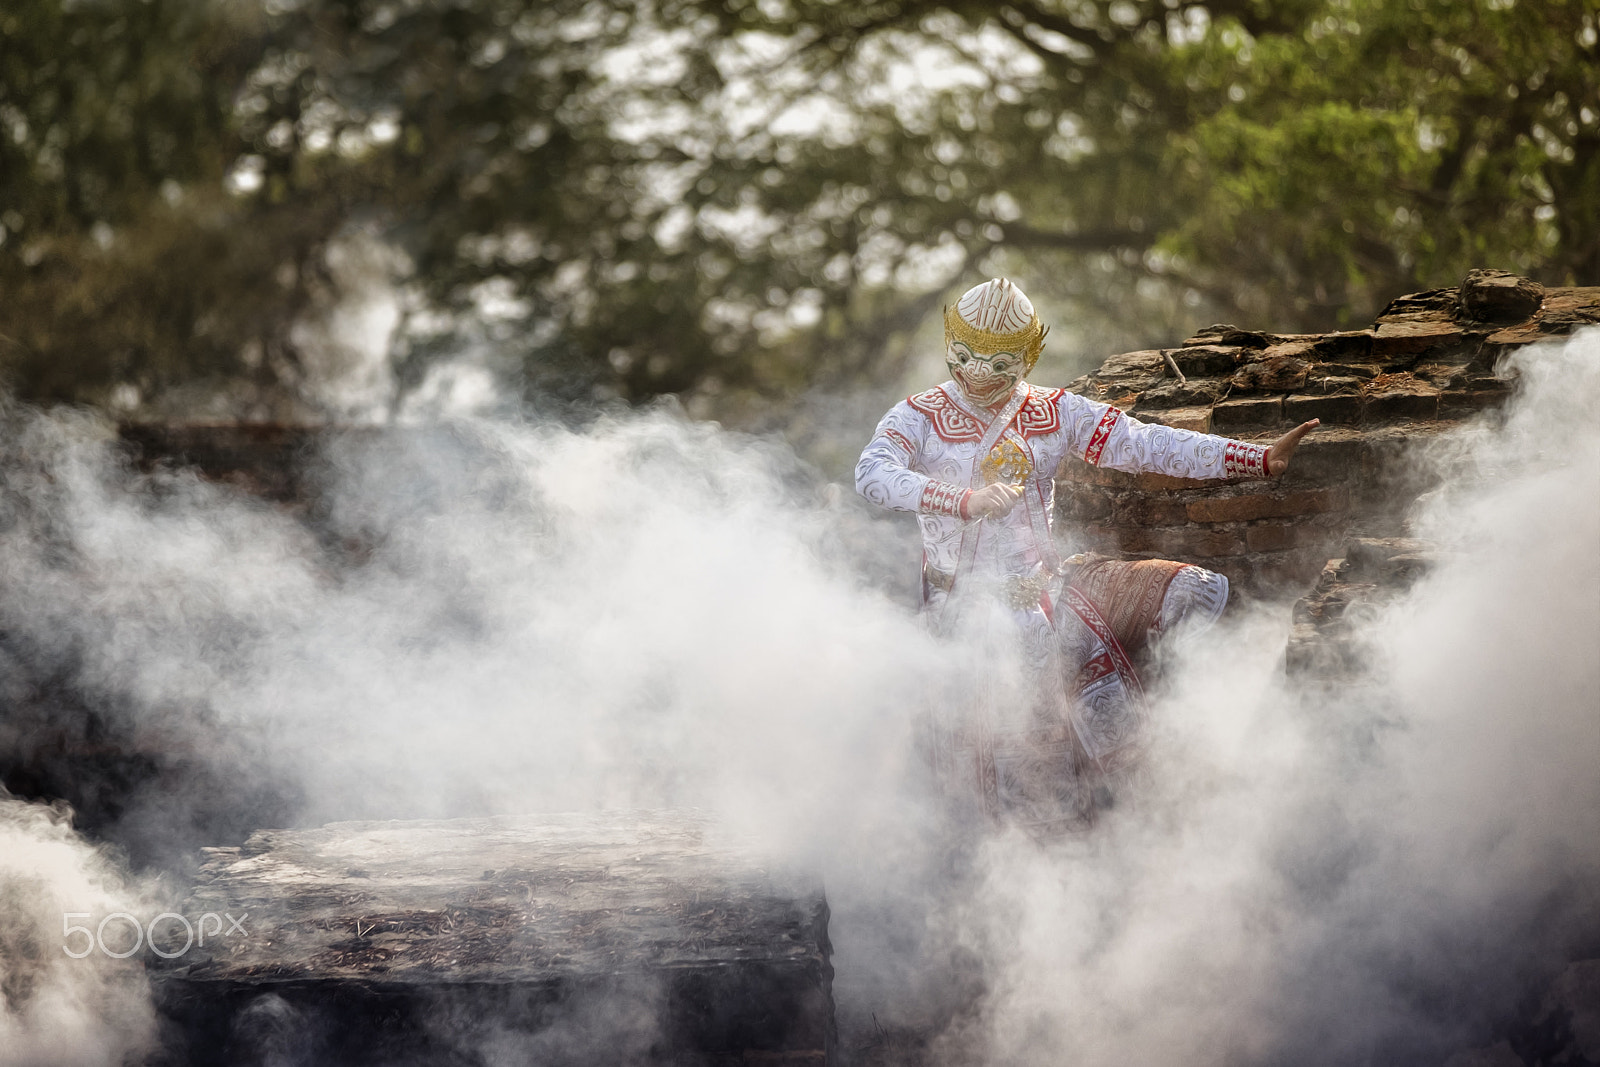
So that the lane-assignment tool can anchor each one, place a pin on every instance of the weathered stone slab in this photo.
(1224, 333)
(1401, 338)
(1567, 308)
(1342, 345)
(1428, 362)
(548, 904)
(1279, 370)
(1456, 404)
(1196, 418)
(1175, 394)
(1400, 396)
(1340, 407)
(1250, 412)
(261, 458)
(1206, 360)
(526, 898)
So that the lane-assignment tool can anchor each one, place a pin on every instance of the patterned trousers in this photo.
(1047, 749)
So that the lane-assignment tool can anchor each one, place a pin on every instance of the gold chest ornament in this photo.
(1006, 462)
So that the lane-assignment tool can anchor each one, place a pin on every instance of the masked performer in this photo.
(1059, 710)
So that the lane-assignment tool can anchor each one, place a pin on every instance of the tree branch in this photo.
(1028, 12)
(1020, 236)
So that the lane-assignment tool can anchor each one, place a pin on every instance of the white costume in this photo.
(1031, 748)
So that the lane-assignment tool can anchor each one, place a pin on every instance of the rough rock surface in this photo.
(1429, 362)
(1324, 647)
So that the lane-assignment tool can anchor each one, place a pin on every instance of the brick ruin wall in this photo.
(1427, 364)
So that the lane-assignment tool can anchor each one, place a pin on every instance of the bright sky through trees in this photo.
(739, 201)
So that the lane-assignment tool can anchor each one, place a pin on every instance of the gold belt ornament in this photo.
(1021, 593)
(1024, 593)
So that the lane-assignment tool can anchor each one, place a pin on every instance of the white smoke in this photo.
(60, 1002)
(489, 618)
(643, 611)
(1372, 876)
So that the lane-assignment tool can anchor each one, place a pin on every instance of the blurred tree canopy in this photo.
(749, 198)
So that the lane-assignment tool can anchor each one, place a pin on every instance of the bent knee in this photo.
(1195, 597)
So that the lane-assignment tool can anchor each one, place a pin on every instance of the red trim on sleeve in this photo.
(1102, 434)
(942, 498)
(898, 438)
(1240, 460)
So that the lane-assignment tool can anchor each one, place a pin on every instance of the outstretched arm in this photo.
(1106, 437)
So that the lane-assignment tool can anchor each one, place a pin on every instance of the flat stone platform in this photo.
(638, 936)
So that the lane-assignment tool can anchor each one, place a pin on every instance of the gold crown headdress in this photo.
(1029, 340)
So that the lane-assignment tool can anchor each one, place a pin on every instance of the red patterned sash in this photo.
(1085, 609)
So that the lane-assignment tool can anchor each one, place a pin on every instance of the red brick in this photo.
(1083, 473)
(1083, 504)
(1290, 570)
(1305, 535)
(1074, 472)
(1245, 507)
(1240, 508)
(1351, 344)
(1270, 537)
(1100, 537)
(1327, 454)
(1160, 540)
(1275, 372)
(1525, 334)
(1443, 375)
(1131, 365)
(1214, 541)
(1152, 511)
(1238, 571)
(1153, 483)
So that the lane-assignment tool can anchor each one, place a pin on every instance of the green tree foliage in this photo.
(753, 197)
(124, 262)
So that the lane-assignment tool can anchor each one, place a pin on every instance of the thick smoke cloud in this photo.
(56, 1009)
(480, 618)
(1377, 874)
(645, 612)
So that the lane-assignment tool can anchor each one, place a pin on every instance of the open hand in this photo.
(993, 501)
(1281, 449)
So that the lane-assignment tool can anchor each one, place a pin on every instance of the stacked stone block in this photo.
(1429, 362)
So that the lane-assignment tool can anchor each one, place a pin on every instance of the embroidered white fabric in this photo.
(933, 437)
(1194, 600)
(907, 450)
